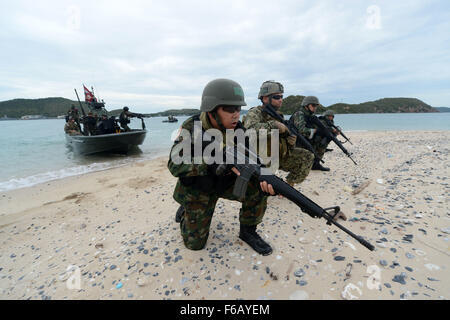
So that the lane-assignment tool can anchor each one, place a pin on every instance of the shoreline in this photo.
(117, 227)
(23, 181)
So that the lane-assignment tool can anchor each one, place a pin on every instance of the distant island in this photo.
(45, 107)
(386, 105)
(442, 109)
(54, 107)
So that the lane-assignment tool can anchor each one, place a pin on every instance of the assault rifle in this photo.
(337, 128)
(246, 169)
(301, 140)
(323, 130)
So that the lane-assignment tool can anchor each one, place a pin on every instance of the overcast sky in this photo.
(156, 55)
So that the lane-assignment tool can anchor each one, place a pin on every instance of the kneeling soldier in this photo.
(301, 120)
(296, 161)
(200, 185)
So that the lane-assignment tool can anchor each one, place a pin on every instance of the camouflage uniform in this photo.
(71, 128)
(198, 189)
(296, 161)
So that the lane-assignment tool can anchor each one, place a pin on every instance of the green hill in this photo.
(386, 105)
(52, 107)
(48, 107)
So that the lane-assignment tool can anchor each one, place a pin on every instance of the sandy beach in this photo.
(112, 234)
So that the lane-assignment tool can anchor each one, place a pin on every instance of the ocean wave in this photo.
(29, 181)
(17, 183)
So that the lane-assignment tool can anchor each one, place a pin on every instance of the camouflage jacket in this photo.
(300, 121)
(199, 176)
(71, 126)
(257, 119)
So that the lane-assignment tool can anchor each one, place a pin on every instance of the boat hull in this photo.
(113, 143)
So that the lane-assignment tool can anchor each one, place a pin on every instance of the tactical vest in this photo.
(210, 183)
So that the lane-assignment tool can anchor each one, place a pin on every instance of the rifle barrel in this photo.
(341, 133)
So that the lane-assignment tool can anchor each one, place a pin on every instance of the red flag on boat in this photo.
(88, 96)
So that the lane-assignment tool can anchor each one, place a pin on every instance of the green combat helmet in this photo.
(270, 87)
(309, 100)
(222, 92)
(328, 113)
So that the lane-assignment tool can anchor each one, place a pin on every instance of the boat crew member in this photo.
(105, 125)
(89, 124)
(124, 118)
(71, 128)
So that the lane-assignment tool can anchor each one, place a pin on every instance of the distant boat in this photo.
(171, 119)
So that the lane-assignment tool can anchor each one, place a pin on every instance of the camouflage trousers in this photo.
(199, 209)
(298, 163)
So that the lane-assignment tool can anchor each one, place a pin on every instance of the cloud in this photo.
(162, 54)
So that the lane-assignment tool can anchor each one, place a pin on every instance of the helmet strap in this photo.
(216, 117)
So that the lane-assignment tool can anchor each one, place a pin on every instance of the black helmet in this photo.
(125, 109)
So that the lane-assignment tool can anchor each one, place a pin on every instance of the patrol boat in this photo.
(121, 142)
(112, 140)
(171, 119)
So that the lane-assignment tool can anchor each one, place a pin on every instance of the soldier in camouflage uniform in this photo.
(199, 186)
(301, 121)
(328, 120)
(71, 128)
(296, 161)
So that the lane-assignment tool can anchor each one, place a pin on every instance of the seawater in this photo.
(35, 151)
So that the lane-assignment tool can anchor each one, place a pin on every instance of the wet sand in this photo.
(112, 234)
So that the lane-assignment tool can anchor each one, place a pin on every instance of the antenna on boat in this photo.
(81, 106)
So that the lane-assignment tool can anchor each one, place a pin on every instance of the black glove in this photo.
(219, 169)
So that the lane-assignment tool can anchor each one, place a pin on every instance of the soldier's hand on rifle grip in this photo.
(281, 127)
(292, 140)
(267, 188)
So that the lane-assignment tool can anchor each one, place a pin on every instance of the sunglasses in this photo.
(277, 97)
(231, 109)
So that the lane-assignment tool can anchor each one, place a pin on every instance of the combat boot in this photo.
(248, 235)
(318, 166)
(179, 214)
